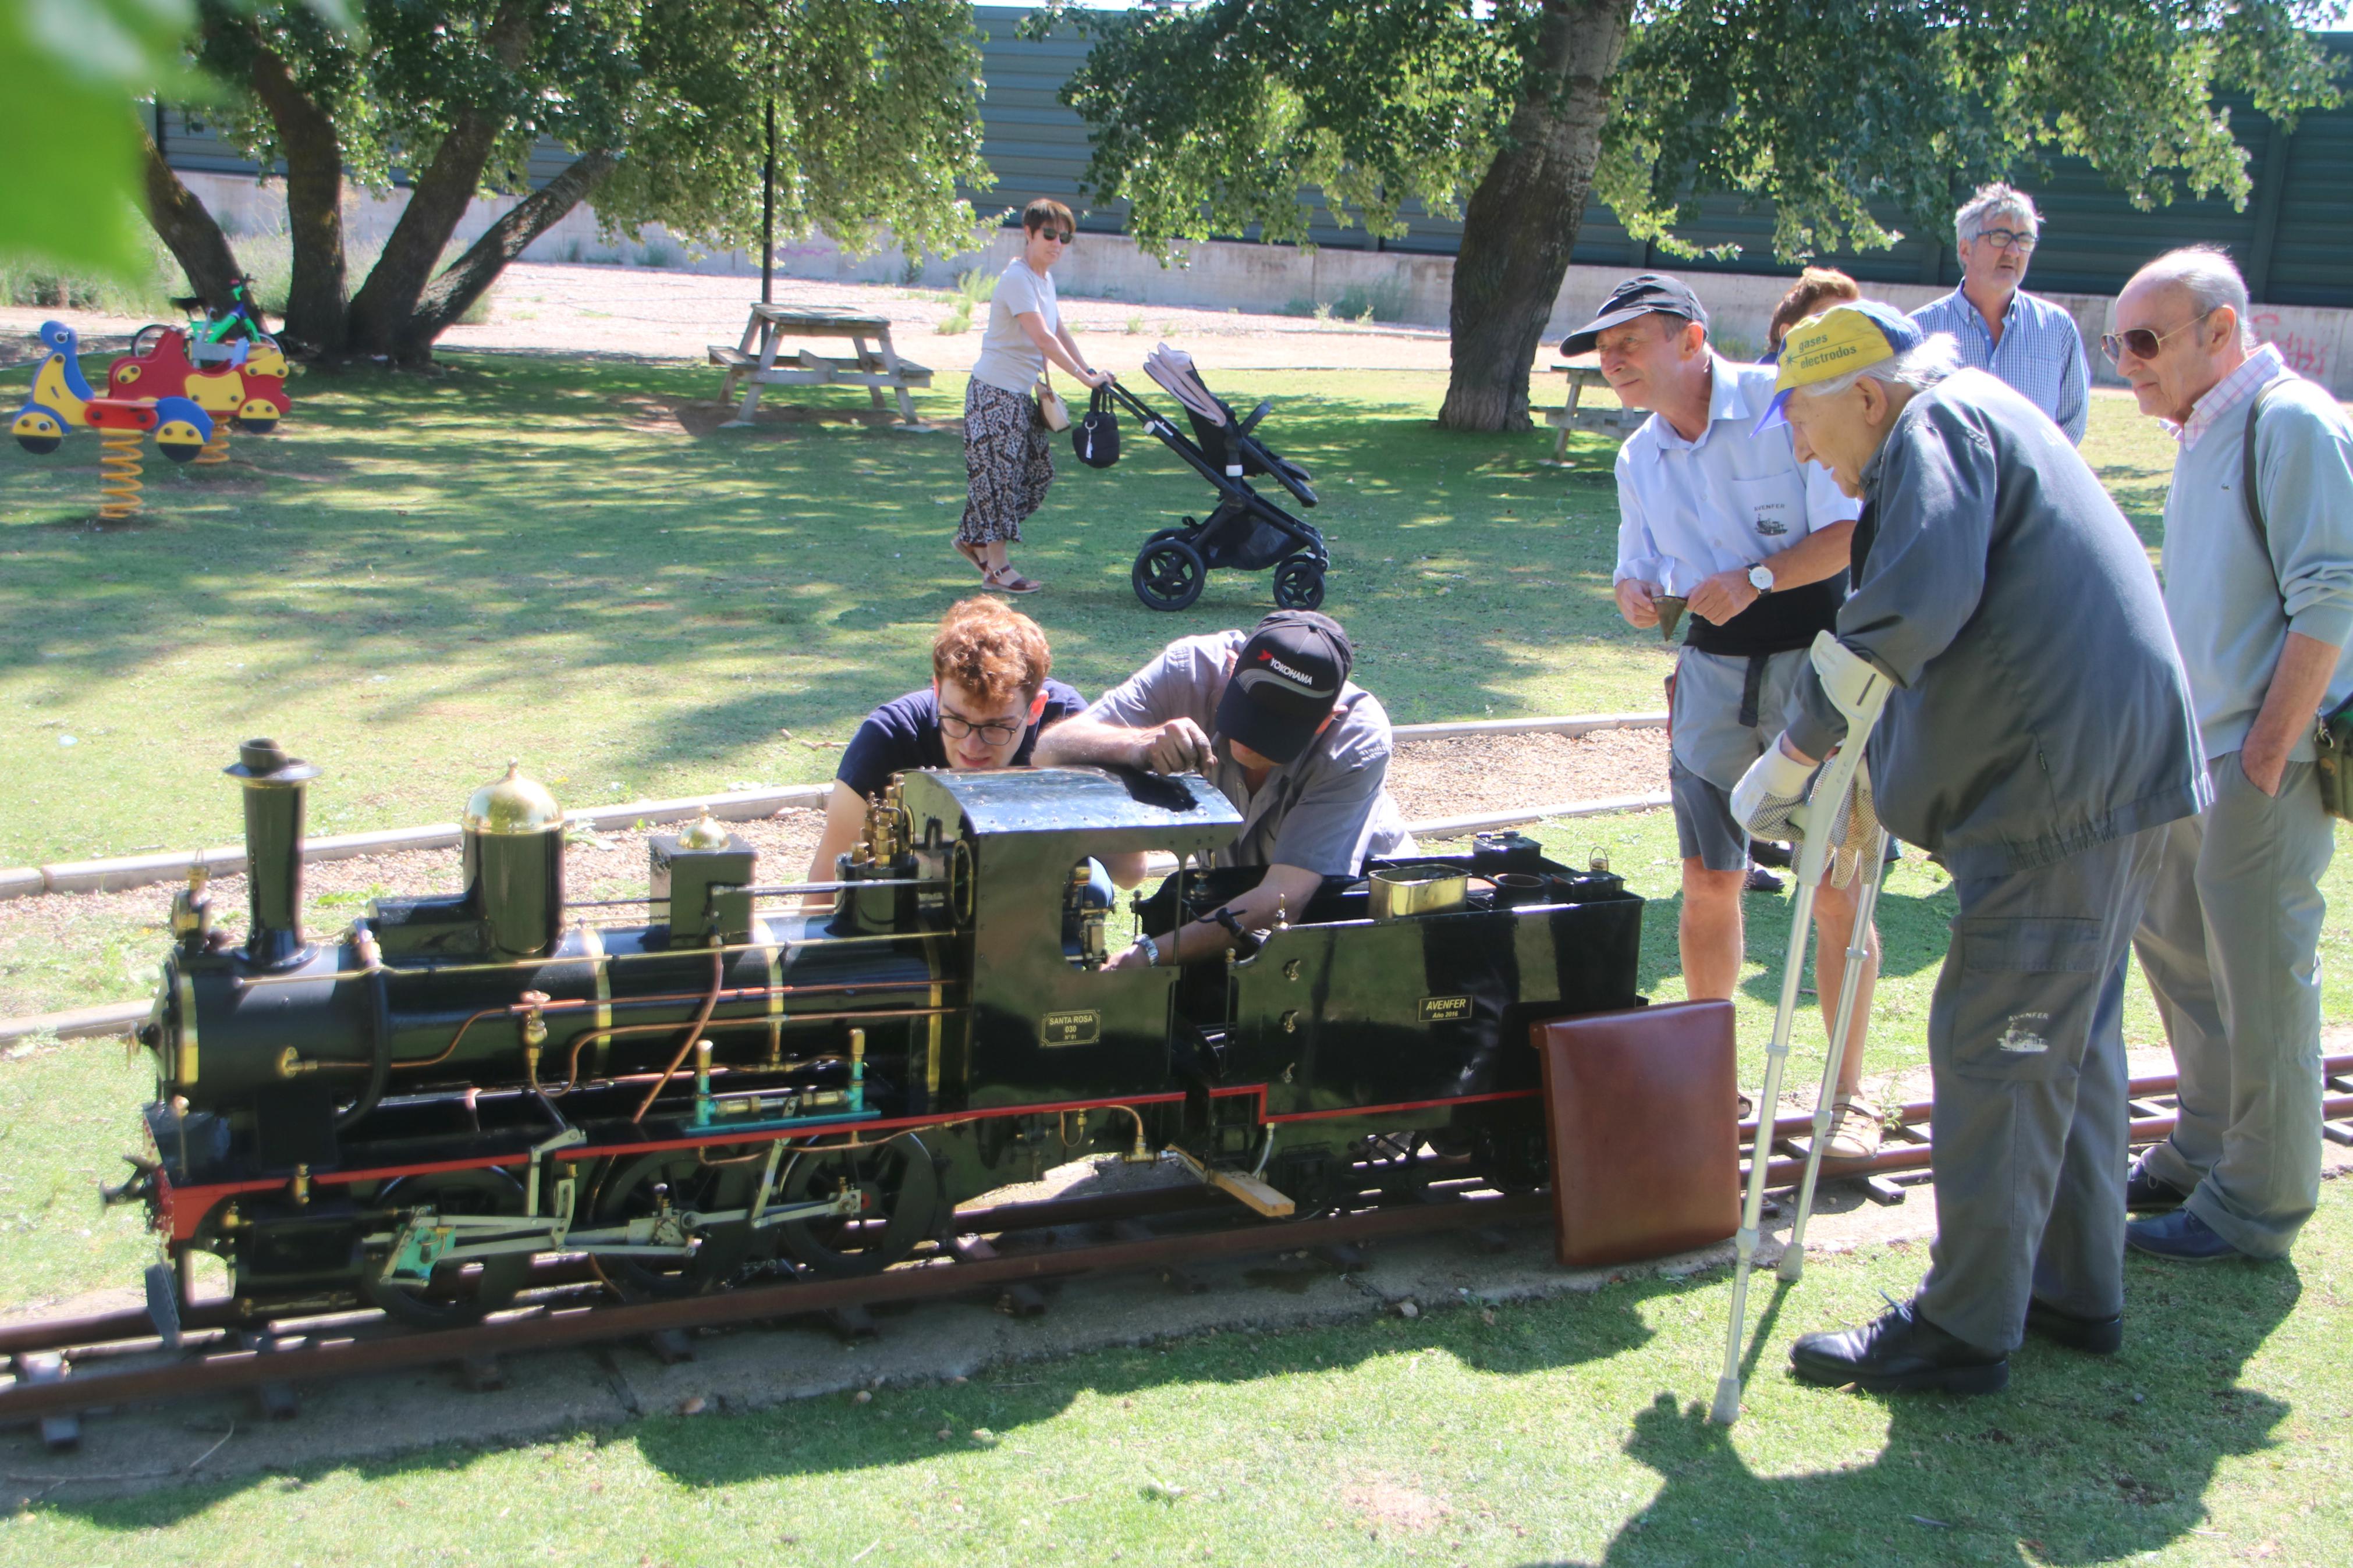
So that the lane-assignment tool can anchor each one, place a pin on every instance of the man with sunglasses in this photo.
(2259, 587)
(988, 699)
(2031, 344)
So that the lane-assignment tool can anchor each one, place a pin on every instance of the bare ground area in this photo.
(648, 314)
(1431, 779)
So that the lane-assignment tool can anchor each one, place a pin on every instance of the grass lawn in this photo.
(421, 577)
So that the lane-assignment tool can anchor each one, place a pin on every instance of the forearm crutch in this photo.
(1857, 689)
(1857, 954)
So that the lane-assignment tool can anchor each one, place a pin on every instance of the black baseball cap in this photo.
(1285, 681)
(1651, 293)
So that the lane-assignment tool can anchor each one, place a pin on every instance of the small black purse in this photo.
(1095, 437)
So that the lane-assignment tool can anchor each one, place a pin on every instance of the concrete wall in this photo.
(1402, 289)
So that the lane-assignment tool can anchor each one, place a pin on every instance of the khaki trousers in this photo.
(2026, 1049)
(2230, 944)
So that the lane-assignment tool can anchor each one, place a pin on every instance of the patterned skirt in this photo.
(1007, 463)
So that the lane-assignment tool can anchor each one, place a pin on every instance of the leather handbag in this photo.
(1096, 439)
(1050, 406)
(2332, 736)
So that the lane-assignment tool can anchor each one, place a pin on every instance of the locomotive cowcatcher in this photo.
(409, 1114)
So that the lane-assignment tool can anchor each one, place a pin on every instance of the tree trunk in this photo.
(187, 230)
(437, 201)
(466, 279)
(315, 206)
(1521, 221)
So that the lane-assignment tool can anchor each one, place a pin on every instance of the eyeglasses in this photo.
(2008, 238)
(2143, 343)
(1059, 235)
(996, 734)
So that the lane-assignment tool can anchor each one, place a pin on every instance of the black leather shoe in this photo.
(1899, 1353)
(2145, 1192)
(2093, 1336)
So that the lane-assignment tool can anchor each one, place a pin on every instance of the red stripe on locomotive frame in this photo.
(185, 1209)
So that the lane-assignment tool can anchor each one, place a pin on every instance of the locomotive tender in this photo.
(409, 1114)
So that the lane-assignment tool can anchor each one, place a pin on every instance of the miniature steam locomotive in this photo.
(410, 1114)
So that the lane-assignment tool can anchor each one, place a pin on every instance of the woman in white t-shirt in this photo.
(1007, 464)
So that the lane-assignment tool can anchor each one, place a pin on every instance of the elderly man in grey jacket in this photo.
(2259, 582)
(2040, 738)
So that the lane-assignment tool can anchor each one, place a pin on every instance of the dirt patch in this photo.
(1387, 1505)
(1498, 772)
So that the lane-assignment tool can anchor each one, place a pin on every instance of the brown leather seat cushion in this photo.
(1641, 1111)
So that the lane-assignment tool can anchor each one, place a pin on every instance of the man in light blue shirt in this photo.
(2031, 344)
(2259, 587)
(1727, 522)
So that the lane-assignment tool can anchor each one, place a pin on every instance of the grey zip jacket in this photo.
(2041, 706)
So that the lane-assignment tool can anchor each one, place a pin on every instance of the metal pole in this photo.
(768, 214)
(1857, 954)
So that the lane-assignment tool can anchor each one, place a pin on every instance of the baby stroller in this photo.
(1247, 533)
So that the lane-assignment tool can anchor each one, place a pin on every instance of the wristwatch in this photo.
(1760, 577)
(1151, 951)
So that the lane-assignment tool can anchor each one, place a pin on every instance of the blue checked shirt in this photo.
(2040, 354)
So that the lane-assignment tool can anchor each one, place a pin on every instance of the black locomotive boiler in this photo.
(411, 1113)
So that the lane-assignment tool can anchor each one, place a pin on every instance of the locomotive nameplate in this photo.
(1445, 1009)
(1074, 1028)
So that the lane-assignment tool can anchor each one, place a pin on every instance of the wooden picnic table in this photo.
(1612, 421)
(757, 362)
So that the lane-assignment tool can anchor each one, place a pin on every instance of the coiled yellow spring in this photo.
(118, 473)
(216, 444)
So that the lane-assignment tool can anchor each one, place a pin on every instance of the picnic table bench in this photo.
(757, 362)
(1619, 422)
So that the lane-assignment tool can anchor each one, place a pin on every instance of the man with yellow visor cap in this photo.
(2039, 738)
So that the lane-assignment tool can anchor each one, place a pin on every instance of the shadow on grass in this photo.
(2084, 1460)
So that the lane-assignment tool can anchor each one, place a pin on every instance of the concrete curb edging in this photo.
(733, 806)
(119, 1017)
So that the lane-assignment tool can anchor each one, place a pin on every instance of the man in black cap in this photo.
(1270, 717)
(1724, 520)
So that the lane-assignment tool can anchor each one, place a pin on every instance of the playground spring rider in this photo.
(225, 365)
(61, 400)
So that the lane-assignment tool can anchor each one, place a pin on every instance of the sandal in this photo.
(972, 552)
(1007, 580)
(1855, 1129)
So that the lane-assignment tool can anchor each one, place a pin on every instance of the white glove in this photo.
(1773, 787)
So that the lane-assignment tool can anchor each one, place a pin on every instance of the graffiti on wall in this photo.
(2304, 353)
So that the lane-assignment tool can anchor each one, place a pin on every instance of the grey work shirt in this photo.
(2041, 706)
(1325, 811)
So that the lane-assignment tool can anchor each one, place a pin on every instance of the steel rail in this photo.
(319, 1358)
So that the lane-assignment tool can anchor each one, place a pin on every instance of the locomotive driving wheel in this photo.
(461, 1292)
(900, 1199)
(681, 1183)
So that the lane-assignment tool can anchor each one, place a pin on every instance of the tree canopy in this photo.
(665, 101)
(1210, 118)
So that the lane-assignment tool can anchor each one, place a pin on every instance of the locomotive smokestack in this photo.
(273, 850)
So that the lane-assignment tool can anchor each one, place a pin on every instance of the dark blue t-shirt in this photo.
(905, 734)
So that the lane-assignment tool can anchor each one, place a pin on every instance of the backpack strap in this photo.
(2250, 478)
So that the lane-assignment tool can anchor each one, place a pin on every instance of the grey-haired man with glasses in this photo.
(2029, 342)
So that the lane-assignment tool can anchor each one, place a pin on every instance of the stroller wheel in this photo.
(1298, 582)
(1168, 575)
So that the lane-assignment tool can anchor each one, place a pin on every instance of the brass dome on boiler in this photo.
(514, 803)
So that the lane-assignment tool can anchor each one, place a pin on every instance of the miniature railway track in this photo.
(65, 1367)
